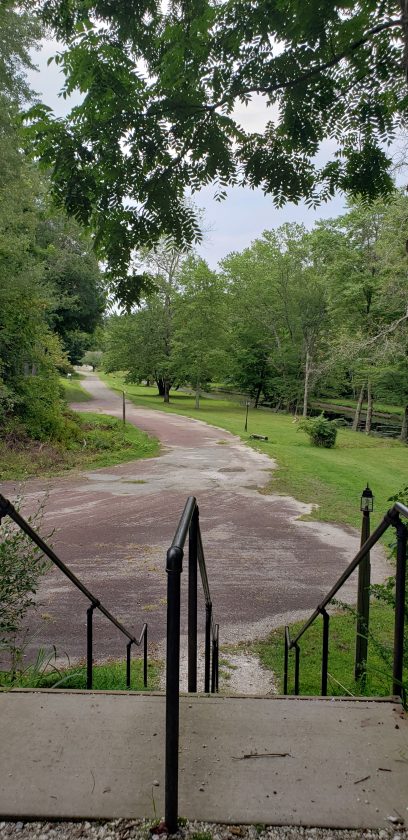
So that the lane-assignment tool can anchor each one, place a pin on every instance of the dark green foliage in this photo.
(75, 279)
(21, 566)
(322, 432)
(124, 157)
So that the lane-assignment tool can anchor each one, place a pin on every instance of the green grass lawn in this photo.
(99, 441)
(111, 676)
(341, 655)
(73, 390)
(333, 479)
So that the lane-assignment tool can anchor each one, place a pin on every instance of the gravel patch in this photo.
(142, 830)
(240, 672)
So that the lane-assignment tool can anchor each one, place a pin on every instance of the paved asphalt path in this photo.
(113, 527)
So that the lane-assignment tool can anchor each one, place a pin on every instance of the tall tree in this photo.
(279, 315)
(199, 342)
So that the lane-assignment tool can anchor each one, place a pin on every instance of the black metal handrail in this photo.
(7, 509)
(391, 519)
(189, 526)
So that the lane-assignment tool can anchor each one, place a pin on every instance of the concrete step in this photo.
(281, 761)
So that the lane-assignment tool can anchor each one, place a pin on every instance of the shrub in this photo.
(22, 564)
(41, 408)
(322, 432)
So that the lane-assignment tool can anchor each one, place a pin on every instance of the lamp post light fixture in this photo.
(367, 501)
(363, 592)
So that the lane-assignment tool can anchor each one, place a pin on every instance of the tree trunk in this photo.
(369, 409)
(306, 389)
(166, 395)
(197, 395)
(358, 409)
(258, 394)
(404, 427)
(161, 386)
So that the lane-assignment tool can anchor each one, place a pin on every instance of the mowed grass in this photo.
(111, 676)
(73, 391)
(331, 479)
(342, 643)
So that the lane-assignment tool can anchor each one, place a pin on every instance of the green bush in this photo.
(41, 407)
(322, 432)
(22, 564)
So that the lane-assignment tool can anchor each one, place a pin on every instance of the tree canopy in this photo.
(296, 316)
(159, 88)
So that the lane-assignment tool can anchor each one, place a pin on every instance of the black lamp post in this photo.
(363, 593)
(367, 501)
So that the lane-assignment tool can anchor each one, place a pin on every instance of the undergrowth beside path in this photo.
(95, 440)
(332, 479)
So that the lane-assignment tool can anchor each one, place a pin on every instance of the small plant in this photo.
(322, 432)
(22, 564)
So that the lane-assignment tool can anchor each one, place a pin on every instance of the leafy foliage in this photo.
(322, 432)
(22, 565)
(159, 90)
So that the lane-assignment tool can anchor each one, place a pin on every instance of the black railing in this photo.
(391, 519)
(189, 525)
(7, 509)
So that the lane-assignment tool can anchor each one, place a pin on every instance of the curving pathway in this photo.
(113, 527)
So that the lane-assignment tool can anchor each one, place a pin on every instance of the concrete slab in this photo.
(282, 761)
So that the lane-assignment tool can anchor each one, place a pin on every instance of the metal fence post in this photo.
(89, 645)
(297, 663)
(286, 662)
(325, 650)
(207, 664)
(363, 604)
(174, 567)
(399, 606)
(192, 602)
(145, 658)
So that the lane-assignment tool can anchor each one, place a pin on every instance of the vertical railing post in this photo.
(286, 662)
(128, 650)
(207, 664)
(217, 656)
(363, 604)
(174, 567)
(192, 601)
(400, 577)
(89, 645)
(325, 650)
(213, 665)
(297, 664)
(145, 657)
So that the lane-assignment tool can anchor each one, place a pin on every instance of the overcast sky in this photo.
(232, 224)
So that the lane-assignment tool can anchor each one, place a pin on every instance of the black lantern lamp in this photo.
(367, 501)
